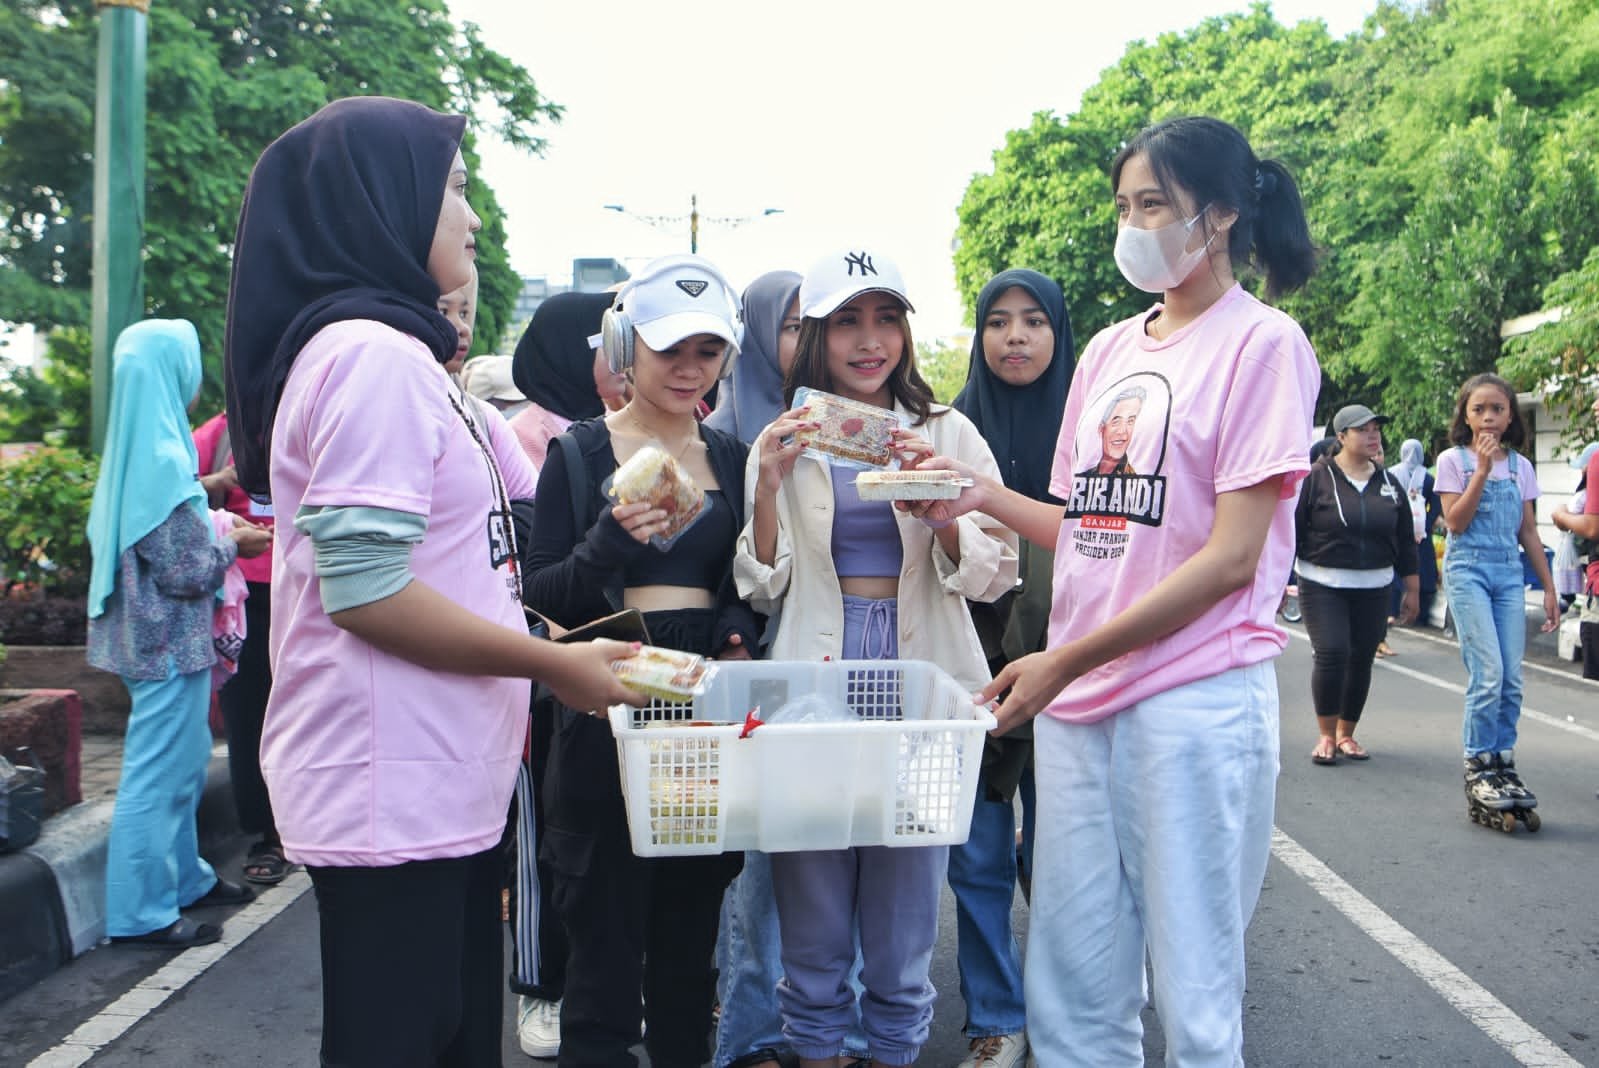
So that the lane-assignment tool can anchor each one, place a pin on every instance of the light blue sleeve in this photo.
(363, 554)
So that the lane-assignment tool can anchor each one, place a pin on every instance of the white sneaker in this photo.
(538, 1027)
(997, 1051)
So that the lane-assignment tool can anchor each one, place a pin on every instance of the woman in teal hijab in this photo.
(152, 594)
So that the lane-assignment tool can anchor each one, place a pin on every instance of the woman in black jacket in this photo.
(1354, 534)
(634, 923)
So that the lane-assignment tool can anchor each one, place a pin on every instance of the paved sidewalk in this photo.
(52, 894)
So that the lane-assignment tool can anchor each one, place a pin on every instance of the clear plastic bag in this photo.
(813, 708)
(21, 803)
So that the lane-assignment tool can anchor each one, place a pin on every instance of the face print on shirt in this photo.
(1119, 452)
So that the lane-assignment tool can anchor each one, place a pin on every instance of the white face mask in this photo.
(1157, 260)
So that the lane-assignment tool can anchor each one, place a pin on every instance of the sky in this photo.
(862, 121)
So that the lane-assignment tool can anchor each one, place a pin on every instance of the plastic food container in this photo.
(651, 476)
(665, 675)
(910, 485)
(852, 434)
(902, 772)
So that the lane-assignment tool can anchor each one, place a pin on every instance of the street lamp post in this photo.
(671, 222)
(118, 273)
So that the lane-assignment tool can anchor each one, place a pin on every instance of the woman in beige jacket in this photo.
(862, 580)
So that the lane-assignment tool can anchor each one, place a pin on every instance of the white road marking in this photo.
(117, 1018)
(1493, 1017)
(1455, 688)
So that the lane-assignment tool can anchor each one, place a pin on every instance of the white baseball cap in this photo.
(677, 297)
(838, 277)
(1580, 460)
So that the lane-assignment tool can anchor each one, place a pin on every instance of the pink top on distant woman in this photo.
(534, 427)
(400, 762)
(1223, 404)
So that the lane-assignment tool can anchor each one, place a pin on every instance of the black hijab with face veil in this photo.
(1021, 423)
(337, 223)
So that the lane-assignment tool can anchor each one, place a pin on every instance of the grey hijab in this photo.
(1409, 470)
(753, 396)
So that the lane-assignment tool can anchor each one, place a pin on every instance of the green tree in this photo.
(1561, 358)
(1048, 204)
(225, 77)
(1447, 154)
(944, 365)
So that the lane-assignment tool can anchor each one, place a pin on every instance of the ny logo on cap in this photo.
(859, 259)
(692, 286)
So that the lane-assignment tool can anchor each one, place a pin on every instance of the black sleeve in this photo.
(567, 569)
(1302, 513)
(1405, 560)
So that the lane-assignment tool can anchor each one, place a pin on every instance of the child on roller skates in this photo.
(1487, 490)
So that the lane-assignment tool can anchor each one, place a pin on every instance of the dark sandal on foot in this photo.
(1352, 749)
(223, 893)
(181, 934)
(267, 866)
(1325, 752)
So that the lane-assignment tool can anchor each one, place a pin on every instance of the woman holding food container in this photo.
(858, 579)
(636, 923)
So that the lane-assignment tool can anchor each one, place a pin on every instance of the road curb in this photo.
(52, 894)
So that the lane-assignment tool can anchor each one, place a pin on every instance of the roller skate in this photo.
(1525, 800)
(1488, 801)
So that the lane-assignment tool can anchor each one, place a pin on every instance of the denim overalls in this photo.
(1488, 600)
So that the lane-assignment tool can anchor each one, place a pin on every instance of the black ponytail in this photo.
(1211, 160)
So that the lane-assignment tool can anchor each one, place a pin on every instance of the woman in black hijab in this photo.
(1022, 361)
(557, 369)
(395, 579)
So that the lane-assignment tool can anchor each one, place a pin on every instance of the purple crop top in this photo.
(865, 534)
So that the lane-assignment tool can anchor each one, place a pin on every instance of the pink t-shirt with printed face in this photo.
(373, 760)
(1153, 432)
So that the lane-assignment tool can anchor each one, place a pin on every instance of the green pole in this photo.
(118, 190)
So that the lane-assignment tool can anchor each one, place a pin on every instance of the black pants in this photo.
(244, 701)
(635, 927)
(1345, 628)
(411, 960)
(1588, 635)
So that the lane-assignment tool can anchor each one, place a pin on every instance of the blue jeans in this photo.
(1488, 601)
(982, 875)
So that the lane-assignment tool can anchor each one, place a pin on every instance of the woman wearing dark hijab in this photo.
(1022, 360)
(556, 368)
(753, 396)
(400, 659)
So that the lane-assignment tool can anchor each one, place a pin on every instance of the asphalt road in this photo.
(1392, 930)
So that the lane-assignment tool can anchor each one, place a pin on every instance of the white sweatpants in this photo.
(1154, 827)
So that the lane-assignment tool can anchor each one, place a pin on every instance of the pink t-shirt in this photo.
(206, 437)
(534, 427)
(373, 760)
(1153, 432)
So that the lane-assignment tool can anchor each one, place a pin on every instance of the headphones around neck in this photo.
(616, 326)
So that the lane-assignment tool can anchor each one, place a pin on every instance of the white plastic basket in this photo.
(903, 774)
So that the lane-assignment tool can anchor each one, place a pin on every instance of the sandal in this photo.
(223, 893)
(182, 933)
(1352, 749)
(1325, 752)
(1385, 650)
(266, 865)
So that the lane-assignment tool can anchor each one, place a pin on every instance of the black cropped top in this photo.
(698, 558)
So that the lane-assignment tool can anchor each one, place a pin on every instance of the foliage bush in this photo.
(44, 519)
